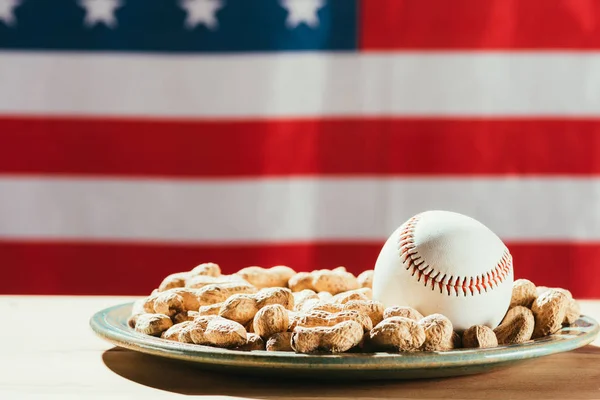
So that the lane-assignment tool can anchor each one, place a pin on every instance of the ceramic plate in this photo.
(111, 324)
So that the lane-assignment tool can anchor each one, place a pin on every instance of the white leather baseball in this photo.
(448, 263)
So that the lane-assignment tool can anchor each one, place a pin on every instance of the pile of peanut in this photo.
(326, 311)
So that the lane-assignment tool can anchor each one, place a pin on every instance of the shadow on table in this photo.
(550, 378)
(186, 378)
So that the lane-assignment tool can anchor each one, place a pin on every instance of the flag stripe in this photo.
(302, 85)
(118, 268)
(347, 146)
(481, 24)
(281, 210)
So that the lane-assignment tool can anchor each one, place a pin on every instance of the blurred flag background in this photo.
(143, 137)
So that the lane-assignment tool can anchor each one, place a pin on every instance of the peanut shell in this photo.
(334, 339)
(439, 333)
(365, 279)
(549, 310)
(516, 327)
(397, 334)
(479, 337)
(523, 293)
(270, 320)
(402, 311)
(253, 342)
(280, 342)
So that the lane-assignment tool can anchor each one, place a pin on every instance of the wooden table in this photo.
(48, 351)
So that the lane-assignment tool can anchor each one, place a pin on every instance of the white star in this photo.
(7, 14)
(300, 11)
(100, 11)
(201, 12)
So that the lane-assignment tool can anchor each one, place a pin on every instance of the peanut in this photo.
(523, 293)
(329, 307)
(335, 339)
(211, 309)
(149, 301)
(373, 309)
(293, 318)
(516, 327)
(280, 342)
(573, 312)
(333, 281)
(565, 292)
(136, 309)
(240, 308)
(152, 324)
(221, 332)
(218, 332)
(283, 271)
(479, 337)
(365, 279)
(198, 325)
(539, 290)
(397, 334)
(277, 276)
(402, 311)
(132, 320)
(243, 307)
(276, 295)
(549, 310)
(183, 317)
(174, 331)
(439, 333)
(573, 308)
(324, 318)
(208, 268)
(253, 342)
(308, 305)
(303, 296)
(173, 281)
(194, 332)
(168, 303)
(190, 298)
(173, 301)
(325, 296)
(345, 297)
(199, 281)
(218, 293)
(301, 281)
(270, 320)
(250, 326)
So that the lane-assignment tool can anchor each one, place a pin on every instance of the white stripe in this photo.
(305, 84)
(289, 210)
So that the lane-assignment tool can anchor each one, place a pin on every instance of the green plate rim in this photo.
(581, 333)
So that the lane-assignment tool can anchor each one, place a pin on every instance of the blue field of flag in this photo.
(179, 26)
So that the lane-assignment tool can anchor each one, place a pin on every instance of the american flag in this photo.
(143, 137)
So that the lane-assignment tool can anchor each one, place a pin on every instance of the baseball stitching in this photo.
(452, 284)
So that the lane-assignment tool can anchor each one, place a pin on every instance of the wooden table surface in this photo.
(49, 351)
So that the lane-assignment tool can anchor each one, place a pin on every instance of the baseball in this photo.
(448, 263)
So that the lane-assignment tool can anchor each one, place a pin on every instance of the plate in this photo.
(111, 325)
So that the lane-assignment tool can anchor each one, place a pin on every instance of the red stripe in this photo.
(480, 24)
(299, 147)
(119, 269)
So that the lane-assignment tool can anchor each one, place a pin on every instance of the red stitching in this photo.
(457, 285)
